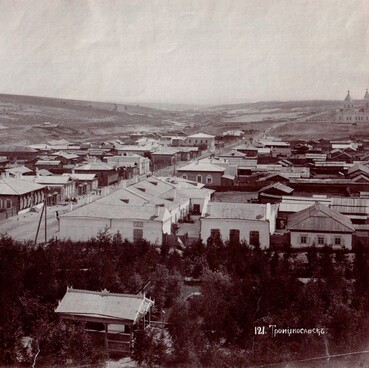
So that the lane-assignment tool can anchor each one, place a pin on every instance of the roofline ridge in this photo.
(101, 292)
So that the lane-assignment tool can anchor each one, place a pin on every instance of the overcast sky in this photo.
(185, 51)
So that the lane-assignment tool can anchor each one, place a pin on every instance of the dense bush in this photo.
(242, 287)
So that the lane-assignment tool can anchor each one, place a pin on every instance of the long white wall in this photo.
(83, 228)
(312, 238)
(244, 226)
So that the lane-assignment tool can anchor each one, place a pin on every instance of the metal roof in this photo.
(119, 210)
(279, 186)
(48, 180)
(241, 211)
(358, 167)
(201, 135)
(350, 205)
(201, 167)
(104, 305)
(48, 162)
(76, 176)
(94, 165)
(14, 186)
(320, 218)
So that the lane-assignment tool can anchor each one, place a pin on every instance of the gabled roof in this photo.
(44, 172)
(233, 153)
(94, 166)
(18, 170)
(82, 177)
(14, 186)
(277, 175)
(103, 305)
(358, 167)
(320, 218)
(48, 180)
(201, 135)
(67, 155)
(201, 167)
(279, 186)
(360, 178)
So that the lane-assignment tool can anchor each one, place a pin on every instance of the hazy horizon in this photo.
(185, 52)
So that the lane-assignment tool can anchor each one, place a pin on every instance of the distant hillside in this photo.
(280, 104)
(22, 116)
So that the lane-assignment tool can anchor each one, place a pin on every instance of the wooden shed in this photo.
(108, 316)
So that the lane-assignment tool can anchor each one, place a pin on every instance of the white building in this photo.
(354, 111)
(198, 195)
(253, 223)
(146, 209)
(143, 163)
(201, 139)
(319, 225)
(134, 222)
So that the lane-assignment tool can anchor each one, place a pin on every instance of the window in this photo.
(215, 233)
(8, 203)
(337, 241)
(184, 177)
(254, 238)
(196, 209)
(303, 239)
(137, 234)
(199, 178)
(209, 179)
(234, 236)
(138, 224)
(321, 240)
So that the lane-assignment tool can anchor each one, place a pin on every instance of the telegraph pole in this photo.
(44, 210)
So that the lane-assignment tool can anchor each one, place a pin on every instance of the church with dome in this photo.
(354, 111)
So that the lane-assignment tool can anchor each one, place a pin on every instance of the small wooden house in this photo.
(110, 316)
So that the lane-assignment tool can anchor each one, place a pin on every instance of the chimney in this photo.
(37, 172)
(73, 171)
(157, 210)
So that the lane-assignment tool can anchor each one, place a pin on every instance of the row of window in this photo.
(30, 200)
(201, 141)
(356, 118)
(321, 240)
(234, 236)
(209, 178)
(5, 203)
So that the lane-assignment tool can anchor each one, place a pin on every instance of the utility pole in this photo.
(45, 205)
(44, 210)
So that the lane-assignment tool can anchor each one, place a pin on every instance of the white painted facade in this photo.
(301, 239)
(200, 139)
(264, 226)
(83, 228)
(244, 226)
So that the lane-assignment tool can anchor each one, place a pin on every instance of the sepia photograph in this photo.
(184, 183)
